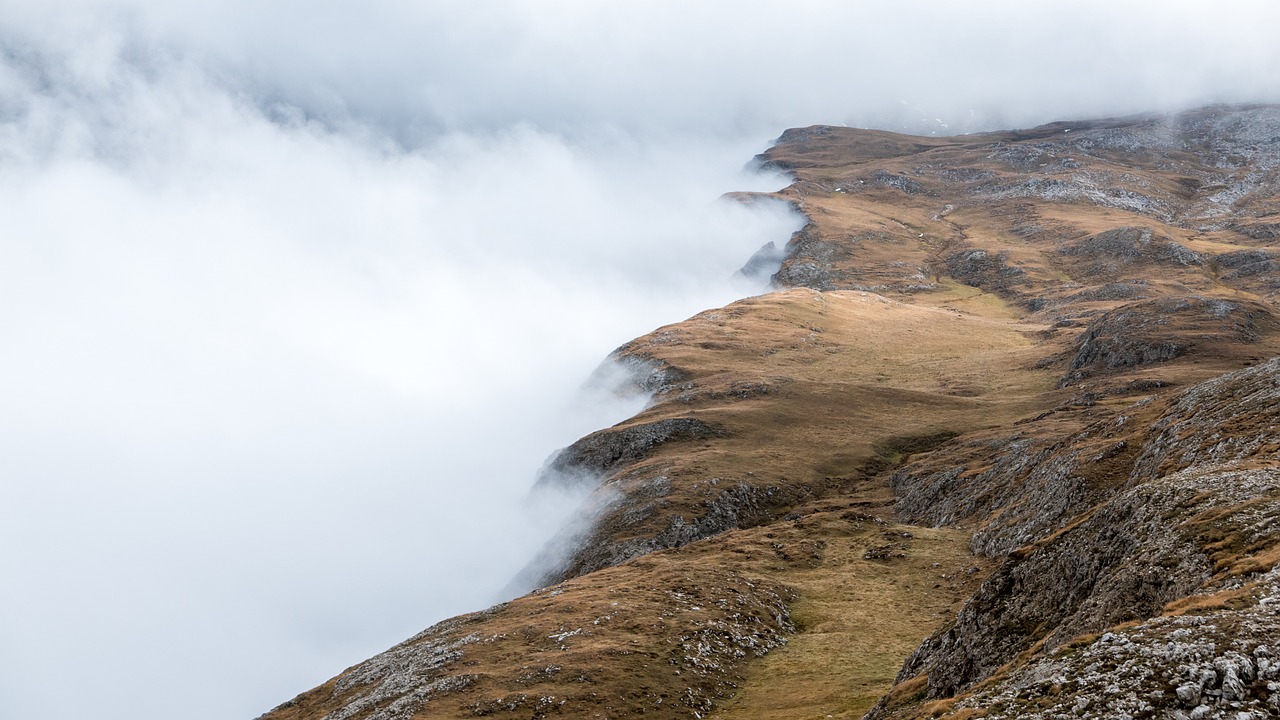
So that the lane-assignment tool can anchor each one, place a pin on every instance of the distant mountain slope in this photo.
(1014, 391)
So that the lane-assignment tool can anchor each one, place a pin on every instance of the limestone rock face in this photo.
(1218, 662)
(1230, 419)
(1004, 441)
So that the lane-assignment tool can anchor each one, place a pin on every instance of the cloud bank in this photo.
(296, 297)
(662, 68)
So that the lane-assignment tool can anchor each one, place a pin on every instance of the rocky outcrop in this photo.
(740, 505)
(1229, 419)
(1258, 230)
(609, 530)
(599, 454)
(896, 181)
(1154, 331)
(1219, 663)
(762, 265)
(1015, 490)
(811, 261)
(1124, 561)
(1249, 263)
(643, 373)
(1125, 251)
(1201, 505)
(986, 270)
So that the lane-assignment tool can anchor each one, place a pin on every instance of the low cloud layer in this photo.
(297, 297)
(661, 68)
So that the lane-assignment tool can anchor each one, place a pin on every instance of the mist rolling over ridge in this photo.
(297, 299)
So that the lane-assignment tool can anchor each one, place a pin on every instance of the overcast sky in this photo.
(295, 297)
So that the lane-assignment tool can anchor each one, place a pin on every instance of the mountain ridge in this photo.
(1013, 389)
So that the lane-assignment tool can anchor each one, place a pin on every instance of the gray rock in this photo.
(810, 261)
(1155, 331)
(897, 182)
(982, 269)
(1113, 250)
(1190, 433)
(1232, 688)
(599, 454)
(762, 265)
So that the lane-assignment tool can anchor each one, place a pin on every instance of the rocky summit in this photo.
(1002, 442)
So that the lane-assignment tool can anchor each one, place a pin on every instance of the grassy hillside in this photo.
(1012, 393)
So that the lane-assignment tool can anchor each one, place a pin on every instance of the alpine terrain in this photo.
(1004, 441)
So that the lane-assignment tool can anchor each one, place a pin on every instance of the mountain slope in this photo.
(1014, 390)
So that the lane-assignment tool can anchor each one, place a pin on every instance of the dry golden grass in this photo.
(848, 374)
(1226, 534)
(1193, 604)
(857, 619)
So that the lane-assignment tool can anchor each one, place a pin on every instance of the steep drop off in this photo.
(1004, 443)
